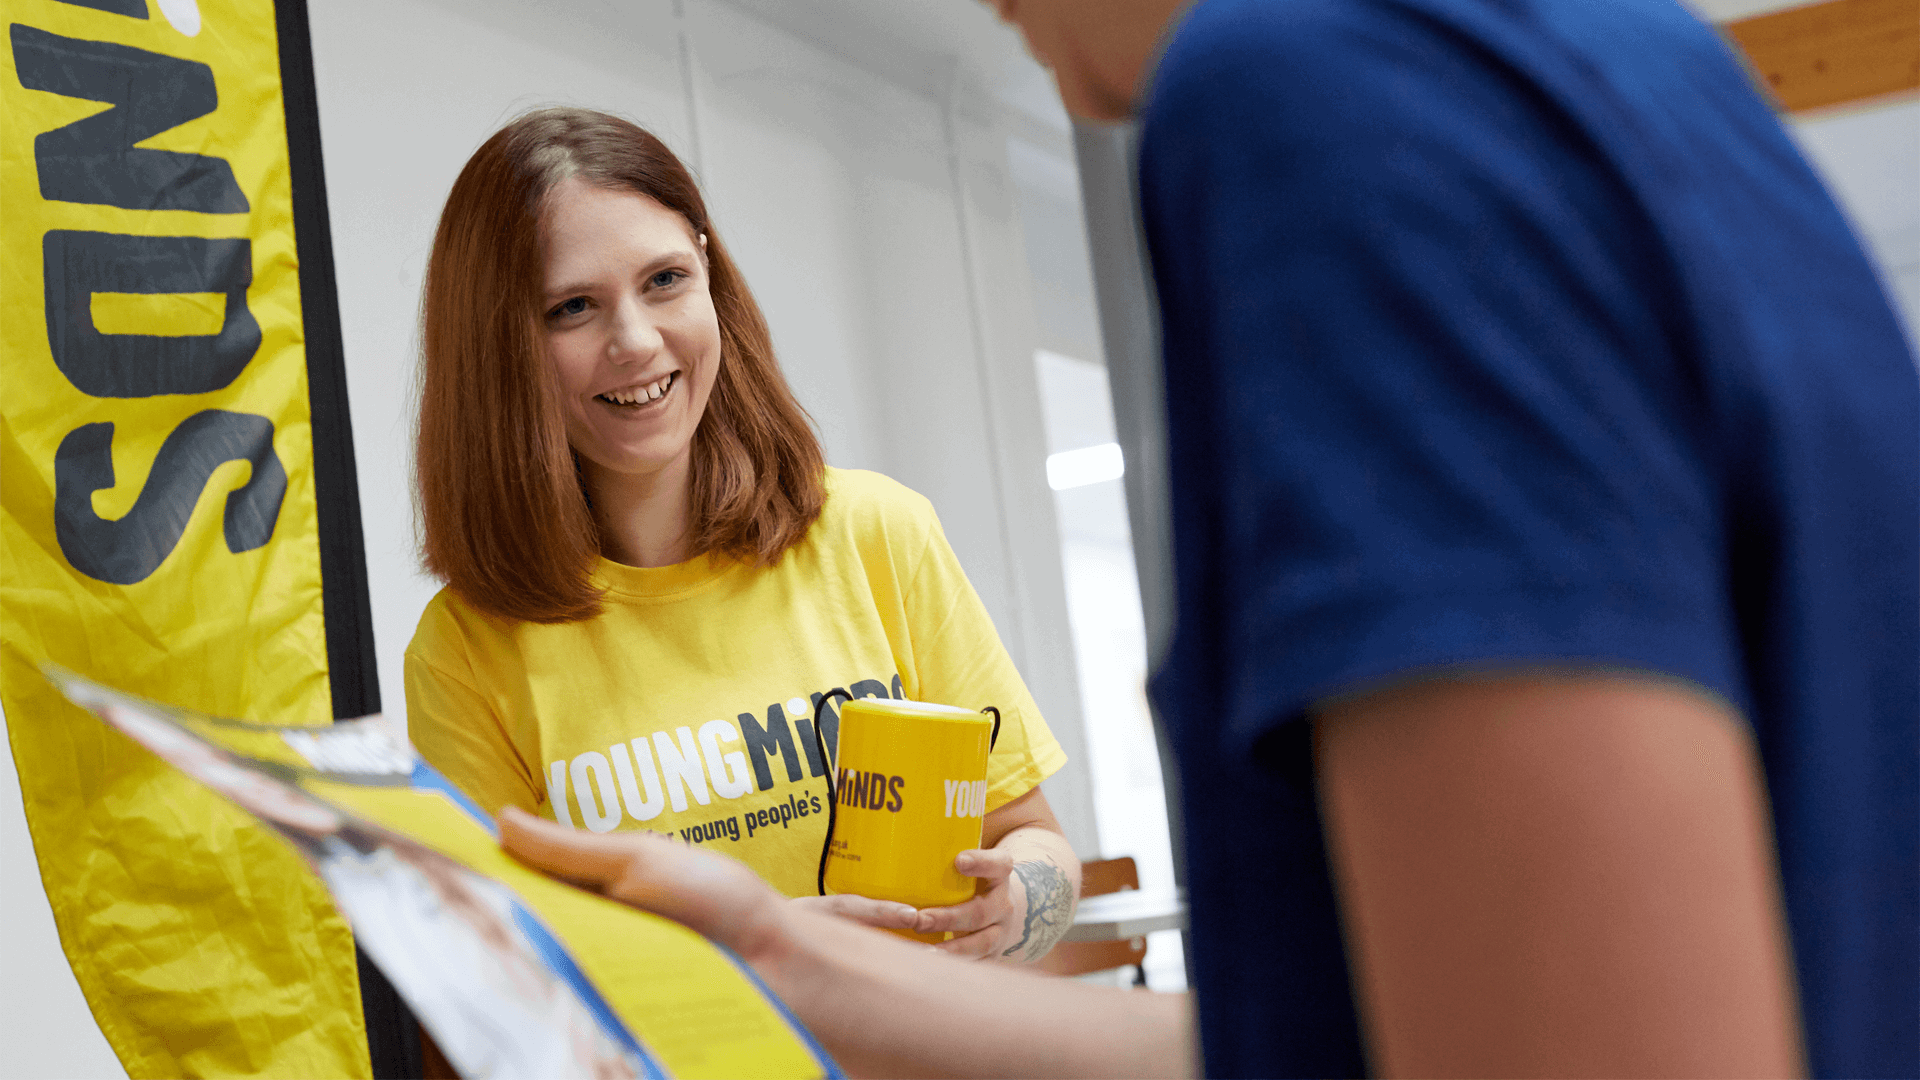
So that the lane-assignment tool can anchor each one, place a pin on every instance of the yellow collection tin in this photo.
(911, 779)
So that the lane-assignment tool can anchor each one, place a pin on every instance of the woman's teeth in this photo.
(639, 395)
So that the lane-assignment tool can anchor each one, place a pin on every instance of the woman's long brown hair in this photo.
(504, 519)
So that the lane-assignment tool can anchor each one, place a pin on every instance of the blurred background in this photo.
(905, 196)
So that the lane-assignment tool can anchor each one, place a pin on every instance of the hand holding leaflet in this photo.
(513, 973)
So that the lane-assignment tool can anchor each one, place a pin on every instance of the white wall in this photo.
(1870, 158)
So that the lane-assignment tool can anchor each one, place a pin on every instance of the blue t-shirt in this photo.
(1517, 332)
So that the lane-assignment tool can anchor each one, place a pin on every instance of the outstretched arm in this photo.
(881, 1005)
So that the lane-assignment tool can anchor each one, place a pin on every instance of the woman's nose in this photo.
(635, 338)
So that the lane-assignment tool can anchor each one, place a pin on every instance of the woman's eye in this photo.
(665, 279)
(567, 308)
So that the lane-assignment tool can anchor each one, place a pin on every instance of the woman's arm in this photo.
(1029, 881)
(882, 1006)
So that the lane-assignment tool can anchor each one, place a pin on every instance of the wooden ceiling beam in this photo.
(1833, 53)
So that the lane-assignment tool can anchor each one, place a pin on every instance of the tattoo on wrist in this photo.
(1049, 908)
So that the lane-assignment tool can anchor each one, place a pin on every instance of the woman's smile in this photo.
(640, 397)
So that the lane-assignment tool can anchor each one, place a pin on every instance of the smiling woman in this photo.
(541, 294)
(639, 535)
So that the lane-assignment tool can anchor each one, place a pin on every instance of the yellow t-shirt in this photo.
(687, 705)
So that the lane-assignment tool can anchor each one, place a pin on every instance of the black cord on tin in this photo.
(833, 791)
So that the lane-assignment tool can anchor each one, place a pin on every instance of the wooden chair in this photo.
(434, 1064)
(1098, 878)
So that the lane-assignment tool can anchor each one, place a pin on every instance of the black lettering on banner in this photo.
(894, 784)
(136, 9)
(899, 692)
(775, 738)
(129, 550)
(94, 160)
(79, 264)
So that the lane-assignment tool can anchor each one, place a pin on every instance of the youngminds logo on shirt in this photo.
(685, 766)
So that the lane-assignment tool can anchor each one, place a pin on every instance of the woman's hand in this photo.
(881, 914)
(1019, 904)
(718, 897)
(1029, 879)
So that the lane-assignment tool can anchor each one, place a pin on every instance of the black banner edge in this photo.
(393, 1035)
(353, 673)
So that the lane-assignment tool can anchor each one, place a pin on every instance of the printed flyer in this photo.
(513, 973)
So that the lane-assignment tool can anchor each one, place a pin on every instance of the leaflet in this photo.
(513, 973)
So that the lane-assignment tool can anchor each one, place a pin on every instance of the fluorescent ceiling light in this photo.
(1088, 465)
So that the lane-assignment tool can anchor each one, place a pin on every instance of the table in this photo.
(1128, 914)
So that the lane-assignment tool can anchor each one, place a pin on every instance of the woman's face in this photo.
(631, 330)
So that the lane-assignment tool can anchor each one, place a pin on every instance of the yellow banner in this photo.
(158, 526)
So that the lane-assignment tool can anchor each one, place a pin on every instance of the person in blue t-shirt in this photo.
(1545, 472)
